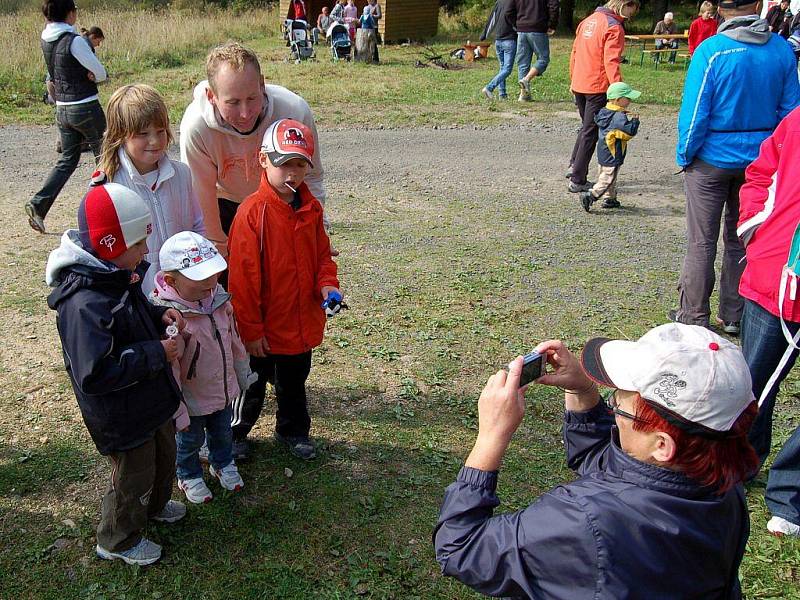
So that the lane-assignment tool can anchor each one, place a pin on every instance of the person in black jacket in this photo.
(118, 365)
(501, 22)
(74, 72)
(658, 509)
(536, 22)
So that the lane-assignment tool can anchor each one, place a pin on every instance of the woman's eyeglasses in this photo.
(611, 403)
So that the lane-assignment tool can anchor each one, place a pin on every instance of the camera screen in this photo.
(532, 368)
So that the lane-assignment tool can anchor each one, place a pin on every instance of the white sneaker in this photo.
(196, 490)
(229, 477)
(780, 526)
(172, 511)
(143, 553)
(487, 94)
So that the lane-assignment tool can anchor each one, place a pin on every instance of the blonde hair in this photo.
(615, 6)
(131, 109)
(707, 7)
(233, 54)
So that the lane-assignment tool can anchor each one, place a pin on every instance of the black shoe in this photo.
(611, 203)
(300, 446)
(730, 327)
(34, 220)
(240, 450)
(576, 188)
(587, 199)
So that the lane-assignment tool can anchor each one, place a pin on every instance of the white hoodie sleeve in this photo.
(84, 55)
(204, 171)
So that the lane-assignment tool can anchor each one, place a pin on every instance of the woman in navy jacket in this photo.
(658, 510)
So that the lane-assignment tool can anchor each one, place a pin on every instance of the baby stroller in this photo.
(339, 37)
(295, 32)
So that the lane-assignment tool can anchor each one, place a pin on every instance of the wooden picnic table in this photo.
(642, 40)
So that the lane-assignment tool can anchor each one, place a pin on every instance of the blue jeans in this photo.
(506, 51)
(216, 428)
(529, 44)
(76, 123)
(763, 345)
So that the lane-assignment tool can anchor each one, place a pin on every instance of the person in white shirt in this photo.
(221, 133)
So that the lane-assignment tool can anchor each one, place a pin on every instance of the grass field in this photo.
(167, 51)
(446, 284)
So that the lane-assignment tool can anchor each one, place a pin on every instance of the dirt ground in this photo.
(376, 171)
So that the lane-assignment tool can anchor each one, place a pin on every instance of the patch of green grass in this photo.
(395, 93)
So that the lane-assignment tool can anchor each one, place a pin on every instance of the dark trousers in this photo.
(763, 346)
(710, 191)
(76, 123)
(141, 485)
(288, 374)
(227, 211)
(588, 105)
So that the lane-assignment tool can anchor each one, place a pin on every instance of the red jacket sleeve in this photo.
(613, 47)
(245, 271)
(759, 179)
(694, 35)
(327, 269)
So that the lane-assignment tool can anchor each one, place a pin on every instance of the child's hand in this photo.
(259, 347)
(327, 289)
(172, 316)
(170, 349)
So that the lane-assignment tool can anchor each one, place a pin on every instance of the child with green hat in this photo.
(615, 127)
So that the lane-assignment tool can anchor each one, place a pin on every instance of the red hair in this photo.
(716, 463)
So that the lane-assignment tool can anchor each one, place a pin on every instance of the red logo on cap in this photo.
(714, 346)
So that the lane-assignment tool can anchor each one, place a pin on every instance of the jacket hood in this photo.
(750, 29)
(72, 253)
(165, 295)
(52, 31)
(214, 120)
(71, 268)
(610, 13)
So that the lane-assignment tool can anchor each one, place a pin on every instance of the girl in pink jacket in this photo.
(212, 367)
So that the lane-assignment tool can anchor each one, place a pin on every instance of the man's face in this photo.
(325, 10)
(667, 20)
(238, 96)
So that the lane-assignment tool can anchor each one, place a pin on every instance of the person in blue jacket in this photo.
(740, 84)
(658, 509)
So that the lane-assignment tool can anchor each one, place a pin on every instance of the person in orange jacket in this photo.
(281, 271)
(593, 66)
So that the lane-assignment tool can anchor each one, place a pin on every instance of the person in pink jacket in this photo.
(769, 226)
(213, 365)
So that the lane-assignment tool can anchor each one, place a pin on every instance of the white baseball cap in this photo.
(692, 377)
(191, 254)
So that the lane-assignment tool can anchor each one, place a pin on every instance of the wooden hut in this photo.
(402, 19)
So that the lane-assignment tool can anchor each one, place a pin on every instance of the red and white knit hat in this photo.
(111, 219)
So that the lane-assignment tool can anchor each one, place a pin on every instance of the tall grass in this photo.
(136, 41)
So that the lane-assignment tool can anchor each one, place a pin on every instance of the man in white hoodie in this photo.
(221, 133)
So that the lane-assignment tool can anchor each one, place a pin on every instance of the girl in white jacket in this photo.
(135, 155)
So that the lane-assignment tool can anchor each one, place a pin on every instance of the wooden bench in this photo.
(656, 54)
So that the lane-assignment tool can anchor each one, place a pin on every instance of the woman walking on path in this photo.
(593, 66)
(75, 73)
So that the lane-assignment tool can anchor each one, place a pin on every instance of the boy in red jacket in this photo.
(280, 273)
(703, 27)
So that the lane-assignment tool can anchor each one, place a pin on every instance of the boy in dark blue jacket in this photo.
(118, 365)
(615, 128)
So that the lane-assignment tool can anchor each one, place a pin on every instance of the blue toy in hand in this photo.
(333, 304)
